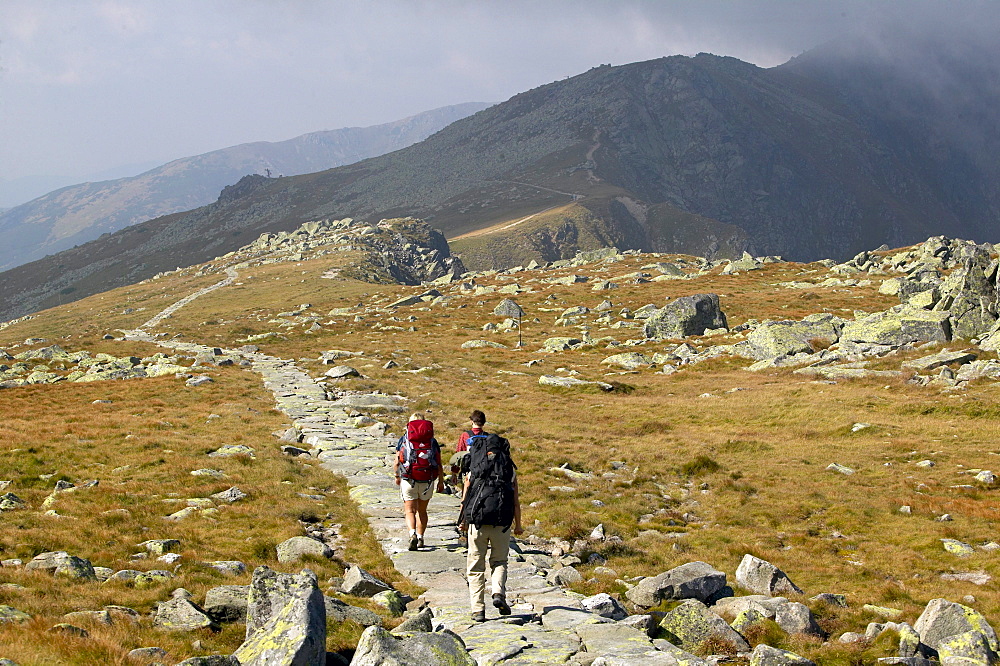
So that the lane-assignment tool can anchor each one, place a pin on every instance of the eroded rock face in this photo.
(286, 620)
(689, 315)
(378, 647)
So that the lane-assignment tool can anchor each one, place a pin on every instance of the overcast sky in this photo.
(91, 85)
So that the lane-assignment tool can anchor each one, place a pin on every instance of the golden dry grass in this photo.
(741, 470)
(142, 447)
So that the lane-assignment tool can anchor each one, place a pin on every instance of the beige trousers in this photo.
(497, 541)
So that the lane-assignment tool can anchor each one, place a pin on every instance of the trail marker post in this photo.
(509, 308)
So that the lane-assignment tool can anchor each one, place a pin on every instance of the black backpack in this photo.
(490, 500)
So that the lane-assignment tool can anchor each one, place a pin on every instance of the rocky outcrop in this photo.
(286, 620)
(689, 315)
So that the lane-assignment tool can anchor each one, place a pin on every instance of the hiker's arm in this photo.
(440, 470)
(517, 510)
(465, 498)
(395, 468)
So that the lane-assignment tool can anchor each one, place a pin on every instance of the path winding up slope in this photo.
(548, 625)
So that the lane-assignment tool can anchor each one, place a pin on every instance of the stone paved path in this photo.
(548, 624)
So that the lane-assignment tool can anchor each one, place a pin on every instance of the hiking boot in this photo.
(479, 616)
(501, 604)
(420, 542)
(413, 542)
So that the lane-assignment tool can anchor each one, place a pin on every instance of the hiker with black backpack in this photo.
(459, 462)
(491, 511)
(417, 468)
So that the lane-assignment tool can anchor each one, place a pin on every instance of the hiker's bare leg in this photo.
(421, 517)
(410, 509)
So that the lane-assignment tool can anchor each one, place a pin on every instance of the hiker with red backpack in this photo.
(418, 470)
(491, 511)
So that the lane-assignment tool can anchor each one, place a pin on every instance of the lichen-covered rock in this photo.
(796, 618)
(747, 619)
(147, 653)
(783, 338)
(422, 621)
(10, 501)
(689, 315)
(67, 629)
(227, 603)
(942, 618)
(211, 660)
(229, 495)
(968, 649)
(628, 360)
(160, 546)
(286, 621)
(181, 615)
(151, 578)
(898, 326)
(479, 344)
(571, 382)
(765, 655)
(360, 583)
(378, 647)
(338, 611)
(605, 605)
(762, 577)
(560, 344)
(294, 549)
(692, 623)
(391, 600)
(694, 580)
(9, 615)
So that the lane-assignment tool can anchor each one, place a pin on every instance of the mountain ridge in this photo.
(704, 155)
(79, 213)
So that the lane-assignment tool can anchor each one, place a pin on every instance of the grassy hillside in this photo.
(708, 463)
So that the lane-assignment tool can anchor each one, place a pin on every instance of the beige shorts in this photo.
(416, 490)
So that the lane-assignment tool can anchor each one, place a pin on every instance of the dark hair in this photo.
(478, 418)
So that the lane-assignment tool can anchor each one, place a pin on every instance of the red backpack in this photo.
(419, 454)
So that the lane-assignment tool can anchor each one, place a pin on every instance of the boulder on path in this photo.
(694, 580)
(294, 549)
(765, 655)
(341, 372)
(692, 623)
(942, 618)
(761, 577)
(689, 315)
(422, 621)
(378, 647)
(286, 620)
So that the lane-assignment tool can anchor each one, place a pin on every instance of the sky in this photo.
(92, 88)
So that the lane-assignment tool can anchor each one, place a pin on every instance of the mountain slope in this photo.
(706, 155)
(79, 213)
